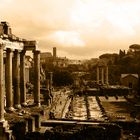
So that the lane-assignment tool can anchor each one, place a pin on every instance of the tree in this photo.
(62, 78)
(121, 54)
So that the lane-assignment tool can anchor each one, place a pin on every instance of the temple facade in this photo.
(12, 71)
(102, 73)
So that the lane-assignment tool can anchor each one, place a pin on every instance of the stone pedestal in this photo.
(5, 133)
(37, 120)
(20, 130)
(30, 124)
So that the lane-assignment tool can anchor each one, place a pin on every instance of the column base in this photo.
(9, 109)
(3, 123)
(107, 83)
(17, 106)
(37, 104)
(24, 104)
(3, 126)
(5, 133)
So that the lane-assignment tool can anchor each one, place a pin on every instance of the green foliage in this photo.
(134, 46)
(122, 63)
(62, 78)
(108, 56)
(126, 63)
(121, 54)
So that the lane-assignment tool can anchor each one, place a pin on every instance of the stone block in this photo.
(37, 120)
(5, 133)
(30, 124)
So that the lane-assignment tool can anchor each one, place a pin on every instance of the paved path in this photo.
(59, 106)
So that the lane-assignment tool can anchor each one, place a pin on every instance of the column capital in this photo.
(8, 50)
(16, 51)
(36, 52)
(2, 46)
(23, 52)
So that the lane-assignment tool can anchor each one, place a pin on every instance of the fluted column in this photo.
(37, 78)
(102, 75)
(1, 86)
(107, 75)
(16, 80)
(8, 80)
(97, 75)
(22, 79)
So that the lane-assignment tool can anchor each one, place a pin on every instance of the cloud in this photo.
(67, 38)
(75, 27)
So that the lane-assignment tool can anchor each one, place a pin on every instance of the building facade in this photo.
(130, 80)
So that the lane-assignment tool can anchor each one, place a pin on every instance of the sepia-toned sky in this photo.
(78, 28)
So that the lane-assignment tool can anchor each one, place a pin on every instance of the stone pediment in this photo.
(126, 75)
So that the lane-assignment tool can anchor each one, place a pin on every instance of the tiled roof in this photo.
(125, 75)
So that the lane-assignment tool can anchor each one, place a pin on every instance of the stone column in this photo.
(107, 75)
(1, 86)
(37, 78)
(51, 81)
(5, 133)
(98, 75)
(8, 80)
(102, 75)
(47, 84)
(16, 80)
(49, 100)
(22, 79)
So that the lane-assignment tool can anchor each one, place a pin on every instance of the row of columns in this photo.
(15, 82)
(102, 75)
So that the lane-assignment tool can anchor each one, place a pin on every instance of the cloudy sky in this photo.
(78, 28)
